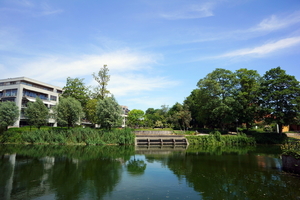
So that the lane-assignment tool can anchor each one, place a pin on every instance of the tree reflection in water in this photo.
(95, 172)
(67, 172)
(136, 167)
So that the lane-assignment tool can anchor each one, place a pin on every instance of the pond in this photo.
(123, 172)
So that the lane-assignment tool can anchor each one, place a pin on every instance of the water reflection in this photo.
(114, 172)
(136, 166)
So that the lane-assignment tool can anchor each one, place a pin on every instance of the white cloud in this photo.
(145, 102)
(264, 27)
(274, 22)
(189, 12)
(54, 67)
(130, 72)
(124, 84)
(264, 49)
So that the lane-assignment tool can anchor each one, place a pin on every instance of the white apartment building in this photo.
(22, 90)
(124, 115)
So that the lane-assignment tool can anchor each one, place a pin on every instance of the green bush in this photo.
(2, 129)
(215, 138)
(12, 135)
(68, 136)
(291, 149)
(118, 136)
(269, 138)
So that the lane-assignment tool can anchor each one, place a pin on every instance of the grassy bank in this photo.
(84, 136)
(215, 138)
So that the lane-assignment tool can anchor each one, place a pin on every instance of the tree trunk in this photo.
(280, 128)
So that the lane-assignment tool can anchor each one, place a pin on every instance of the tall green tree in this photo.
(102, 79)
(246, 96)
(280, 97)
(90, 110)
(180, 116)
(193, 104)
(135, 118)
(37, 113)
(68, 112)
(76, 88)
(150, 118)
(217, 90)
(156, 117)
(9, 113)
(108, 112)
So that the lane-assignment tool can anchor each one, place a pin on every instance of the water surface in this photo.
(123, 172)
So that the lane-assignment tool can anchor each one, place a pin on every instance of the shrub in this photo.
(68, 136)
(291, 149)
(215, 138)
(269, 138)
(12, 135)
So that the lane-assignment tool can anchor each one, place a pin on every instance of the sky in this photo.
(156, 50)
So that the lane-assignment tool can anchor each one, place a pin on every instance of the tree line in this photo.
(225, 100)
(76, 104)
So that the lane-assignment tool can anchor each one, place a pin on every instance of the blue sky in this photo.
(156, 50)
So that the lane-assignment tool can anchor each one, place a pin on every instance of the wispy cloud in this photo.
(189, 12)
(46, 9)
(150, 101)
(31, 8)
(264, 27)
(130, 71)
(52, 67)
(263, 49)
(274, 22)
(23, 3)
(136, 83)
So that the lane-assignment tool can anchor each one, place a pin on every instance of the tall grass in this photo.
(68, 136)
(215, 138)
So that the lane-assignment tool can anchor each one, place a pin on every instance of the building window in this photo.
(11, 93)
(53, 98)
(8, 99)
(35, 94)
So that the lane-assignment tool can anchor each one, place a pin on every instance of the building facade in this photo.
(124, 115)
(22, 90)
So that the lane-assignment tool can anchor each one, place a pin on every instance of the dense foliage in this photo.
(226, 99)
(280, 97)
(37, 113)
(291, 149)
(76, 88)
(215, 138)
(9, 113)
(108, 113)
(68, 112)
(135, 118)
(68, 136)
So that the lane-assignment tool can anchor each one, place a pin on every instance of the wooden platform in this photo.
(160, 140)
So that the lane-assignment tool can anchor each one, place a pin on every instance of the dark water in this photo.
(113, 172)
